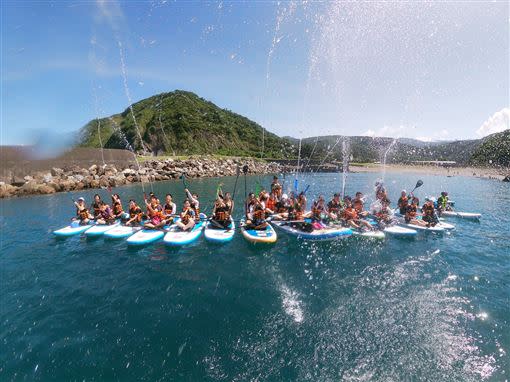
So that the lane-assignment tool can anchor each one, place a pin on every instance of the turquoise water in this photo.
(432, 309)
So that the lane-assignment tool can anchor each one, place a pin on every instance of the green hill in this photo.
(182, 123)
(493, 151)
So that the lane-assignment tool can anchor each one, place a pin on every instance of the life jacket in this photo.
(197, 211)
(271, 204)
(280, 207)
(428, 210)
(186, 215)
(137, 211)
(117, 208)
(442, 201)
(358, 205)
(168, 208)
(97, 208)
(411, 210)
(403, 202)
(259, 214)
(350, 214)
(222, 213)
(317, 210)
(106, 214)
(334, 207)
(82, 214)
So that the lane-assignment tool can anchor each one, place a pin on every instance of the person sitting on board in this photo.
(301, 199)
(95, 207)
(135, 213)
(227, 198)
(359, 206)
(82, 213)
(351, 217)
(106, 215)
(403, 202)
(187, 217)
(443, 203)
(221, 213)
(295, 211)
(429, 213)
(169, 209)
(118, 211)
(412, 212)
(271, 201)
(154, 213)
(384, 215)
(264, 201)
(335, 207)
(258, 217)
(195, 204)
(282, 208)
(249, 206)
(318, 213)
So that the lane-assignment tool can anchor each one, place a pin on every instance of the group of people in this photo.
(156, 215)
(291, 207)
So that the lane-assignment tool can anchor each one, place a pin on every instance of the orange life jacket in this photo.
(222, 213)
(137, 211)
(358, 205)
(168, 209)
(83, 214)
(271, 204)
(117, 208)
(186, 215)
(350, 214)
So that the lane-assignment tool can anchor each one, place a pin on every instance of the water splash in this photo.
(345, 163)
(385, 155)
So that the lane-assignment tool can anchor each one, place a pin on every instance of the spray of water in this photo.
(392, 144)
(345, 163)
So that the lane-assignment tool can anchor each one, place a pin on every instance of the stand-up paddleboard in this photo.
(436, 228)
(327, 233)
(100, 229)
(176, 236)
(145, 236)
(462, 215)
(121, 231)
(219, 235)
(446, 226)
(267, 235)
(71, 230)
(398, 231)
(376, 235)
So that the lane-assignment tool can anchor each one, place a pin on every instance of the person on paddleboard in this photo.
(296, 210)
(187, 217)
(95, 207)
(282, 208)
(403, 202)
(351, 217)
(257, 219)
(412, 213)
(221, 213)
(335, 207)
(318, 213)
(169, 209)
(118, 211)
(194, 203)
(443, 203)
(358, 204)
(154, 213)
(276, 186)
(135, 213)
(429, 213)
(106, 215)
(384, 215)
(380, 191)
(82, 213)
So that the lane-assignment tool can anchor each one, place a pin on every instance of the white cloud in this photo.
(496, 123)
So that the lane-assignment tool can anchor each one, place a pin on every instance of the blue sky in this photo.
(422, 70)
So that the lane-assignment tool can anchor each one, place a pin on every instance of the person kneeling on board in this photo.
(221, 213)
(82, 213)
(403, 202)
(358, 204)
(154, 213)
(135, 213)
(384, 215)
(187, 217)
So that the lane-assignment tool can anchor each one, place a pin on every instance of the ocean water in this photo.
(436, 308)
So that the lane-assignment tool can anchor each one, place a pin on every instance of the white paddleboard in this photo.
(176, 236)
(71, 230)
(219, 235)
(100, 229)
(436, 228)
(121, 231)
(267, 235)
(400, 231)
(324, 234)
(463, 215)
(145, 236)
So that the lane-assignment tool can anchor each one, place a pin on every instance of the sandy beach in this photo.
(488, 173)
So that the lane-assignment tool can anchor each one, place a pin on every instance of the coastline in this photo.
(74, 177)
(477, 172)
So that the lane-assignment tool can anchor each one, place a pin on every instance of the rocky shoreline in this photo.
(74, 177)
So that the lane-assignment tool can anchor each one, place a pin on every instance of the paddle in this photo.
(183, 178)
(419, 183)
(306, 189)
(238, 172)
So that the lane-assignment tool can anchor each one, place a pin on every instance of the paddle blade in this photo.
(245, 169)
(419, 184)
